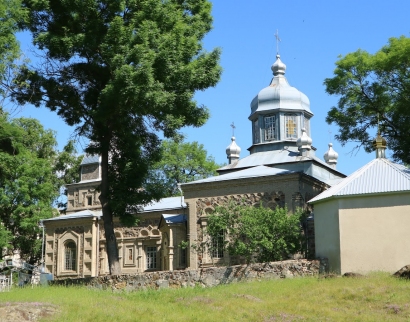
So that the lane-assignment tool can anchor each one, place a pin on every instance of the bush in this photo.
(256, 233)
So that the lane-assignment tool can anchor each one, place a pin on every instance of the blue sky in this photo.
(313, 34)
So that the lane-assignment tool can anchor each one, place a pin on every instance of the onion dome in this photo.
(279, 95)
(278, 68)
(380, 144)
(331, 156)
(233, 151)
(304, 143)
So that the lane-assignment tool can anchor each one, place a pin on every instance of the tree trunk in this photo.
(110, 239)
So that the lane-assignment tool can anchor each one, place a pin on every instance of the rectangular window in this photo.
(270, 128)
(291, 126)
(70, 256)
(306, 125)
(182, 257)
(89, 201)
(151, 257)
(255, 131)
(218, 245)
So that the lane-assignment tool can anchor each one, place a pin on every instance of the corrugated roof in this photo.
(89, 159)
(378, 176)
(80, 214)
(259, 171)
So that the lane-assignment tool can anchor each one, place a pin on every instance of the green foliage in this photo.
(256, 233)
(374, 88)
(11, 13)
(182, 162)
(29, 183)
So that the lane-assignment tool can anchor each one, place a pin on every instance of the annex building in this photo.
(361, 223)
(280, 170)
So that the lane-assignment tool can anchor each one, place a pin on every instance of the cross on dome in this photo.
(277, 41)
(233, 128)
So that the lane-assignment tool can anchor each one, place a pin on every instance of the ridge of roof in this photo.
(252, 172)
(371, 178)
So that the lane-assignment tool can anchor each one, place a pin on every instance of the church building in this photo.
(280, 170)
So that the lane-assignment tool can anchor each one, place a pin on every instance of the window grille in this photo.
(218, 245)
(270, 128)
(151, 257)
(291, 126)
(255, 131)
(306, 125)
(70, 256)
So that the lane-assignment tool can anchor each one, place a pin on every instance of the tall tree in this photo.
(182, 162)
(29, 184)
(374, 91)
(122, 72)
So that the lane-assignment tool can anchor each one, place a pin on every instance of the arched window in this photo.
(70, 256)
(291, 126)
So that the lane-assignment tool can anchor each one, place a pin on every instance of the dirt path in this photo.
(26, 311)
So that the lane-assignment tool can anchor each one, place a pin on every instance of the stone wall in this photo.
(205, 277)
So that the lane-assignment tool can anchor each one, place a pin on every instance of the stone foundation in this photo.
(205, 277)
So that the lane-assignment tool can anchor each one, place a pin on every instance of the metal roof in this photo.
(80, 214)
(258, 171)
(378, 176)
(279, 95)
(290, 154)
(165, 204)
(89, 159)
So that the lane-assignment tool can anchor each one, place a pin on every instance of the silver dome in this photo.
(279, 95)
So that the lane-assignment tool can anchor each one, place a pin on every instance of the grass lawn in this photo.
(377, 297)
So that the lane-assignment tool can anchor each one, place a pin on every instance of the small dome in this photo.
(233, 150)
(379, 142)
(278, 68)
(304, 142)
(331, 155)
(380, 145)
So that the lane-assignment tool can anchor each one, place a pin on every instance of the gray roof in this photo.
(258, 171)
(77, 215)
(291, 154)
(378, 176)
(165, 204)
(89, 159)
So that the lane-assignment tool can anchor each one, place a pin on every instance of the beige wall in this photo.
(327, 240)
(78, 194)
(83, 232)
(374, 233)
